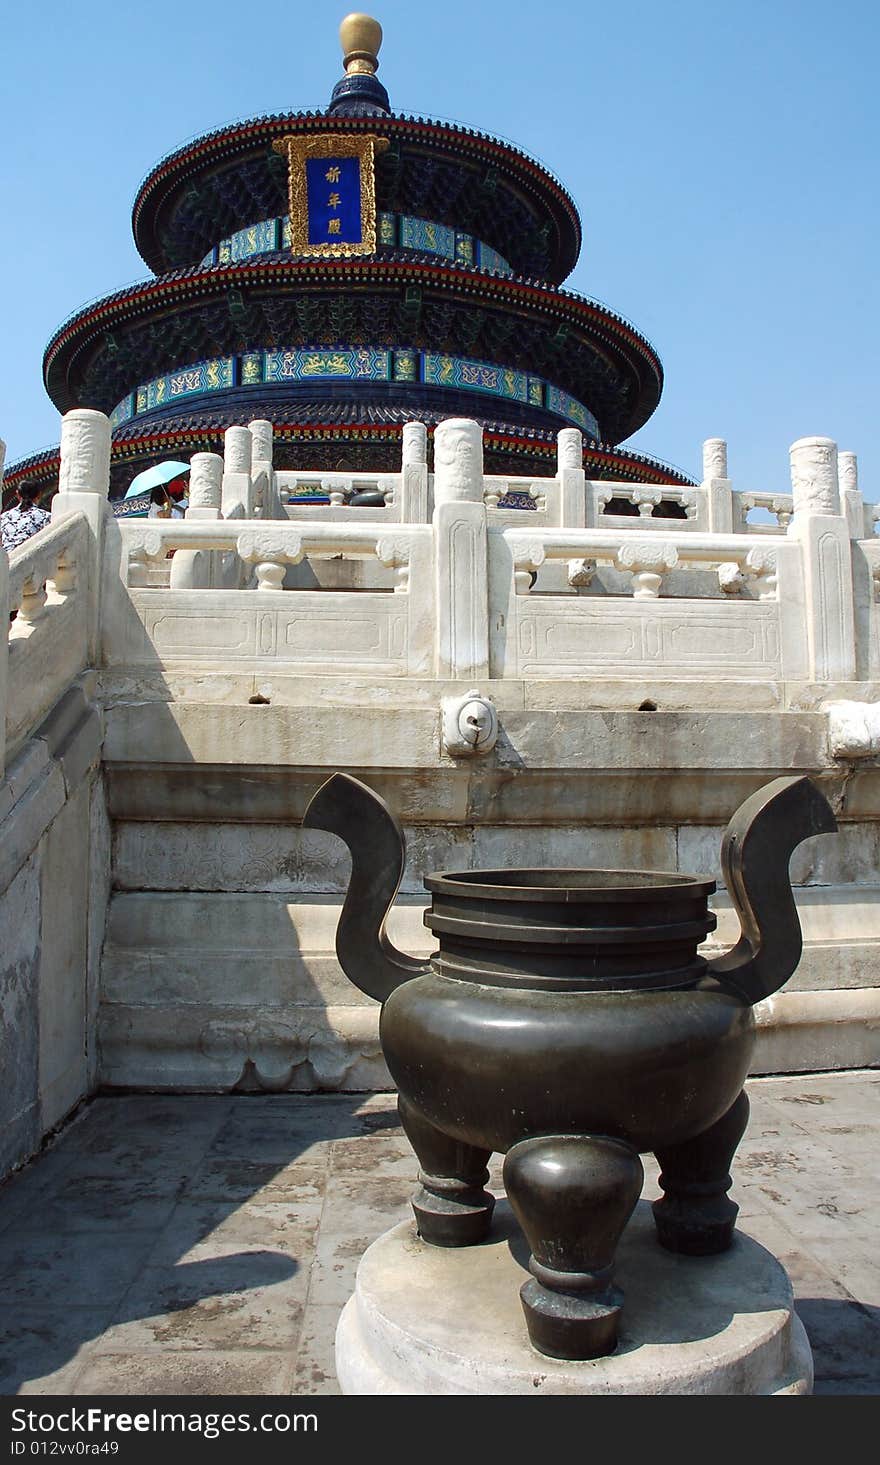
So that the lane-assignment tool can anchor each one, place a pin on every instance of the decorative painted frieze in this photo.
(393, 231)
(355, 364)
(490, 259)
(122, 411)
(475, 376)
(348, 364)
(558, 401)
(426, 237)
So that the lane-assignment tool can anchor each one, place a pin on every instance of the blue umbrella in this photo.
(155, 477)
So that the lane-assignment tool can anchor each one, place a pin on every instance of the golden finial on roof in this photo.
(360, 37)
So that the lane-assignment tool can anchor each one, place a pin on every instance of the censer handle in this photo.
(347, 808)
(758, 844)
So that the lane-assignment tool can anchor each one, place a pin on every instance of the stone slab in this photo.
(187, 732)
(799, 1032)
(434, 1321)
(283, 857)
(484, 791)
(28, 820)
(43, 665)
(63, 964)
(19, 1016)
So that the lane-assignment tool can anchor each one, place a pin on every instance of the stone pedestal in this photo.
(430, 1321)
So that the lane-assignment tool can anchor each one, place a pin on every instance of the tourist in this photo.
(23, 519)
(164, 505)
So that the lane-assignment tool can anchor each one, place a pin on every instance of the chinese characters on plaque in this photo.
(332, 193)
(333, 190)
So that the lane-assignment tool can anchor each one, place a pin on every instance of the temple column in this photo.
(571, 479)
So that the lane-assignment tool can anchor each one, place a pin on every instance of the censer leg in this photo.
(695, 1214)
(451, 1207)
(572, 1195)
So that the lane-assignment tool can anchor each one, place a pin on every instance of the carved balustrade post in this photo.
(414, 474)
(567, 494)
(193, 569)
(745, 502)
(822, 531)
(237, 500)
(852, 505)
(205, 486)
(461, 580)
(84, 487)
(717, 487)
(265, 489)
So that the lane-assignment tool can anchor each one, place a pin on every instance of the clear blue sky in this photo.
(723, 157)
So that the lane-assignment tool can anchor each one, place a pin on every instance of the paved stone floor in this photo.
(205, 1245)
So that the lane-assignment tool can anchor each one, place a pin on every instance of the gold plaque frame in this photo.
(340, 145)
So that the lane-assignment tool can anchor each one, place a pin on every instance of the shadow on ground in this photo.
(207, 1244)
(194, 1242)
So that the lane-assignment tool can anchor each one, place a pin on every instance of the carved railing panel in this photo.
(733, 628)
(386, 632)
(48, 637)
(778, 506)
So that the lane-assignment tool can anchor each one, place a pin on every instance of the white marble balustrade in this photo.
(45, 647)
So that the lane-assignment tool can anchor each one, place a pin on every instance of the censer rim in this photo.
(555, 883)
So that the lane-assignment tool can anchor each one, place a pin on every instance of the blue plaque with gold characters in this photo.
(332, 188)
(333, 191)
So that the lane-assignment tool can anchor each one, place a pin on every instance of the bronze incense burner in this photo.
(568, 1022)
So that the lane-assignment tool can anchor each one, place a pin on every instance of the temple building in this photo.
(339, 273)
